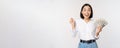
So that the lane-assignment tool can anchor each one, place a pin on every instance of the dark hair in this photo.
(81, 15)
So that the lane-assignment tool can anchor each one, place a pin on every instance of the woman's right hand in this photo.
(72, 22)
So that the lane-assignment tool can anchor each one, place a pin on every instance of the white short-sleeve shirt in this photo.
(85, 31)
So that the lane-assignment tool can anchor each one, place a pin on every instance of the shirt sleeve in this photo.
(97, 37)
(74, 32)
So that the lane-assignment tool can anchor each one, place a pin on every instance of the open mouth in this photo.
(87, 15)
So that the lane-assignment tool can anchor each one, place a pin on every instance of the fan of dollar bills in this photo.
(102, 22)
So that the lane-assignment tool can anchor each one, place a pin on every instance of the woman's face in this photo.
(86, 12)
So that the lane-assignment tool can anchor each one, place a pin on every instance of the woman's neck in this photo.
(86, 20)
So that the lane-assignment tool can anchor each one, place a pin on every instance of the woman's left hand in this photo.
(98, 30)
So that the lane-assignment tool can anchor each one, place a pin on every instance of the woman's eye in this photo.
(89, 10)
(84, 10)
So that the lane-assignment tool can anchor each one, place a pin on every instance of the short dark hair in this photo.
(81, 15)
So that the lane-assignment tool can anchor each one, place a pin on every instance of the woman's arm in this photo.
(98, 30)
(100, 24)
(73, 24)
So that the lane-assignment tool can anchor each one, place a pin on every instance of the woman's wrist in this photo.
(97, 33)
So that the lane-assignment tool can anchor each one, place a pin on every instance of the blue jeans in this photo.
(88, 45)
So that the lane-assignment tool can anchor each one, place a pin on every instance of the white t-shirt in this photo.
(85, 31)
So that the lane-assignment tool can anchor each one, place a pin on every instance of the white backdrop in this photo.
(45, 23)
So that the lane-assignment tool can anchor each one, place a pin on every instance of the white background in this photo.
(45, 23)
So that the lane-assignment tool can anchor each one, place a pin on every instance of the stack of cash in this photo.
(102, 22)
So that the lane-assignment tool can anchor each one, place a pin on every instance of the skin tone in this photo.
(86, 13)
(98, 30)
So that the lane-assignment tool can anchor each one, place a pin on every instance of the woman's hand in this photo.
(72, 22)
(98, 30)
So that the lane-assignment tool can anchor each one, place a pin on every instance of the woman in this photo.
(86, 28)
